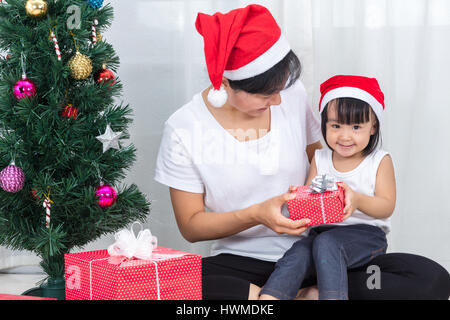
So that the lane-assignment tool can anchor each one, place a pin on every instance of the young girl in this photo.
(351, 108)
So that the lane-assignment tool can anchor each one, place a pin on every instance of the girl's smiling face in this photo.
(348, 140)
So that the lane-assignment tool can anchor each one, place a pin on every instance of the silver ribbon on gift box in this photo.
(322, 183)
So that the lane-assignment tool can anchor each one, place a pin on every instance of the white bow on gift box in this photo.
(129, 245)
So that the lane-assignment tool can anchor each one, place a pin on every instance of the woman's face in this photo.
(251, 104)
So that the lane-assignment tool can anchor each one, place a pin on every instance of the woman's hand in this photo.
(269, 214)
(351, 200)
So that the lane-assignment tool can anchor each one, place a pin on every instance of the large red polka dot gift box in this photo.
(133, 268)
(322, 202)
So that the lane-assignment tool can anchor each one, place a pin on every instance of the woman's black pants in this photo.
(388, 276)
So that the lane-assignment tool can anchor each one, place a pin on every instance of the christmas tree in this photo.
(62, 154)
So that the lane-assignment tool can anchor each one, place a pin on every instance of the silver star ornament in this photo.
(110, 139)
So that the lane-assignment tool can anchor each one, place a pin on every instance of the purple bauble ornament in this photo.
(24, 88)
(12, 178)
(106, 195)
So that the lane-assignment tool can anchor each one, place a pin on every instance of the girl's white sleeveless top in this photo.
(361, 179)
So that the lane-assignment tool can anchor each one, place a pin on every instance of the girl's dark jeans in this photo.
(328, 251)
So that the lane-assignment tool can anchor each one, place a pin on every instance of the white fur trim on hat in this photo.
(352, 92)
(264, 62)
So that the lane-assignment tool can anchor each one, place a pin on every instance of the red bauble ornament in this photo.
(105, 76)
(70, 112)
(106, 195)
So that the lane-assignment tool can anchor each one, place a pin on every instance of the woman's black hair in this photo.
(353, 111)
(272, 80)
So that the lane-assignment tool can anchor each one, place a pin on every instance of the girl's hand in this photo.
(351, 201)
(269, 214)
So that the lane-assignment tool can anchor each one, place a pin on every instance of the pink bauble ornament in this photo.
(24, 88)
(12, 178)
(106, 195)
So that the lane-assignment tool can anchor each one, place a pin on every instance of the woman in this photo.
(230, 154)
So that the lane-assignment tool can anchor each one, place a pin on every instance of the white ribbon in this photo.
(90, 275)
(324, 216)
(128, 245)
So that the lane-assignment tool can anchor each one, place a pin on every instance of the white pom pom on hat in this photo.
(238, 45)
(217, 98)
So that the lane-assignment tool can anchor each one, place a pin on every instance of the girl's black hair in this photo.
(353, 111)
(272, 80)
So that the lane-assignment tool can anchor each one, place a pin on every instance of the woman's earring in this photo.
(217, 98)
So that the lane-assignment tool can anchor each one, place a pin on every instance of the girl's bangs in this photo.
(351, 111)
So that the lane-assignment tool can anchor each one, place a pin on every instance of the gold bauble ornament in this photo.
(99, 37)
(80, 66)
(36, 8)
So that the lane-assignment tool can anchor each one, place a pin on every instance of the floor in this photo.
(17, 283)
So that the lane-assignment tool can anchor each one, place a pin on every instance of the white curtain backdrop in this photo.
(403, 43)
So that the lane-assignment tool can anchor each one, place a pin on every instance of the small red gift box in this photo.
(169, 275)
(320, 208)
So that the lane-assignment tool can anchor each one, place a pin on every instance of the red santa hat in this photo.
(362, 88)
(238, 45)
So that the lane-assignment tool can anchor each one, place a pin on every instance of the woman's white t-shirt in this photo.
(362, 179)
(198, 155)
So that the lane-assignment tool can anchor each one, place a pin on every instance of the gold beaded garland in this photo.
(80, 66)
